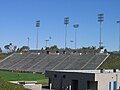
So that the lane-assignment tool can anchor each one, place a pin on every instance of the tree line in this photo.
(10, 48)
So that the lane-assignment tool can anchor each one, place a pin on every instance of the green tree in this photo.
(25, 48)
(0, 50)
(105, 51)
(101, 47)
(6, 46)
(54, 47)
(10, 47)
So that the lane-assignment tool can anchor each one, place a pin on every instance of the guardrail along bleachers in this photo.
(92, 64)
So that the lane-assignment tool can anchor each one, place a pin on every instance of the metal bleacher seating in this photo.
(94, 62)
(39, 62)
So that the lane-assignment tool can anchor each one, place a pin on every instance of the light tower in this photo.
(66, 22)
(50, 38)
(28, 41)
(100, 20)
(37, 25)
(75, 26)
(46, 43)
(119, 35)
(71, 43)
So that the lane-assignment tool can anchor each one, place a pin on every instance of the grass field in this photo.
(113, 62)
(16, 76)
(5, 85)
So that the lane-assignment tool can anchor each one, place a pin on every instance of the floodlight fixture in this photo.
(71, 41)
(50, 37)
(118, 21)
(100, 20)
(100, 17)
(66, 22)
(37, 25)
(119, 35)
(75, 26)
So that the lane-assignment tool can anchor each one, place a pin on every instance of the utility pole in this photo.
(66, 22)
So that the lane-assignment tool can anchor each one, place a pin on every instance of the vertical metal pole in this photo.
(66, 21)
(75, 26)
(37, 40)
(46, 43)
(71, 43)
(50, 38)
(119, 37)
(28, 41)
(100, 19)
(100, 34)
(116, 80)
(37, 25)
(75, 38)
(65, 36)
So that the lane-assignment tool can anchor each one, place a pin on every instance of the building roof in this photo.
(88, 71)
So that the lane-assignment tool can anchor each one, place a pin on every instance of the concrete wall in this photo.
(63, 79)
(96, 81)
(104, 79)
(33, 87)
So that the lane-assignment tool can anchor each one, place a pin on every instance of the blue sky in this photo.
(18, 18)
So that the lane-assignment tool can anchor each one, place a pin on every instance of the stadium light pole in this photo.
(66, 22)
(75, 26)
(50, 38)
(119, 35)
(46, 43)
(37, 25)
(71, 43)
(100, 20)
(28, 41)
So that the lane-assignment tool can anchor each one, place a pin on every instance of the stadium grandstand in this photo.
(41, 60)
